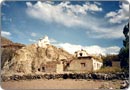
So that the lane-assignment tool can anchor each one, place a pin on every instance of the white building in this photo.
(81, 53)
(96, 64)
(43, 42)
(95, 61)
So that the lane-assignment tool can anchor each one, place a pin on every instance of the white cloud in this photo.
(33, 34)
(1, 1)
(121, 15)
(97, 3)
(29, 4)
(52, 40)
(4, 18)
(31, 40)
(111, 14)
(112, 50)
(128, 1)
(5, 33)
(92, 7)
(94, 49)
(75, 16)
(106, 33)
(63, 13)
(69, 47)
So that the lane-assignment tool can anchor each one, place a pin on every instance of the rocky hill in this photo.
(8, 48)
(5, 41)
(29, 59)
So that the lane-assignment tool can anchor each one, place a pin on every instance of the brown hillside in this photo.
(8, 48)
(5, 41)
(30, 59)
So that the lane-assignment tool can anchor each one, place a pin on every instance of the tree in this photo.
(107, 60)
(124, 52)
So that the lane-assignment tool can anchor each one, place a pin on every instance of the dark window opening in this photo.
(38, 69)
(68, 64)
(80, 54)
(83, 65)
(43, 69)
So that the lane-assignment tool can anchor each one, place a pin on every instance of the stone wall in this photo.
(59, 68)
(80, 65)
(95, 76)
(116, 64)
(50, 66)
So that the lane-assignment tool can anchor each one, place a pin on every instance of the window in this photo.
(83, 65)
(43, 69)
(39, 69)
(80, 54)
(68, 65)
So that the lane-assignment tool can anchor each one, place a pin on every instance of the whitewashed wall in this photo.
(43, 42)
(96, 64)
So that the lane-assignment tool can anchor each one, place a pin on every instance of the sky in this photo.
(95, 26)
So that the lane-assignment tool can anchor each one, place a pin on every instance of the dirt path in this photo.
(59, 84)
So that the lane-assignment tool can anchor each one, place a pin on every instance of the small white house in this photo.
(90, 61)
(81, 53)
(43, 42)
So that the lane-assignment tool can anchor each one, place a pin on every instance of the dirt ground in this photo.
(61, 84)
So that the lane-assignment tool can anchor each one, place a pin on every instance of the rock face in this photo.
(5, 41)
(30, 58)
(8, 48)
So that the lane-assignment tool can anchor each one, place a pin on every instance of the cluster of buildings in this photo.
(82, 61)
(43, 42)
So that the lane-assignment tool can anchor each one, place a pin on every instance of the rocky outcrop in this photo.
(5, 41)
(8, 49)
(28, 59)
